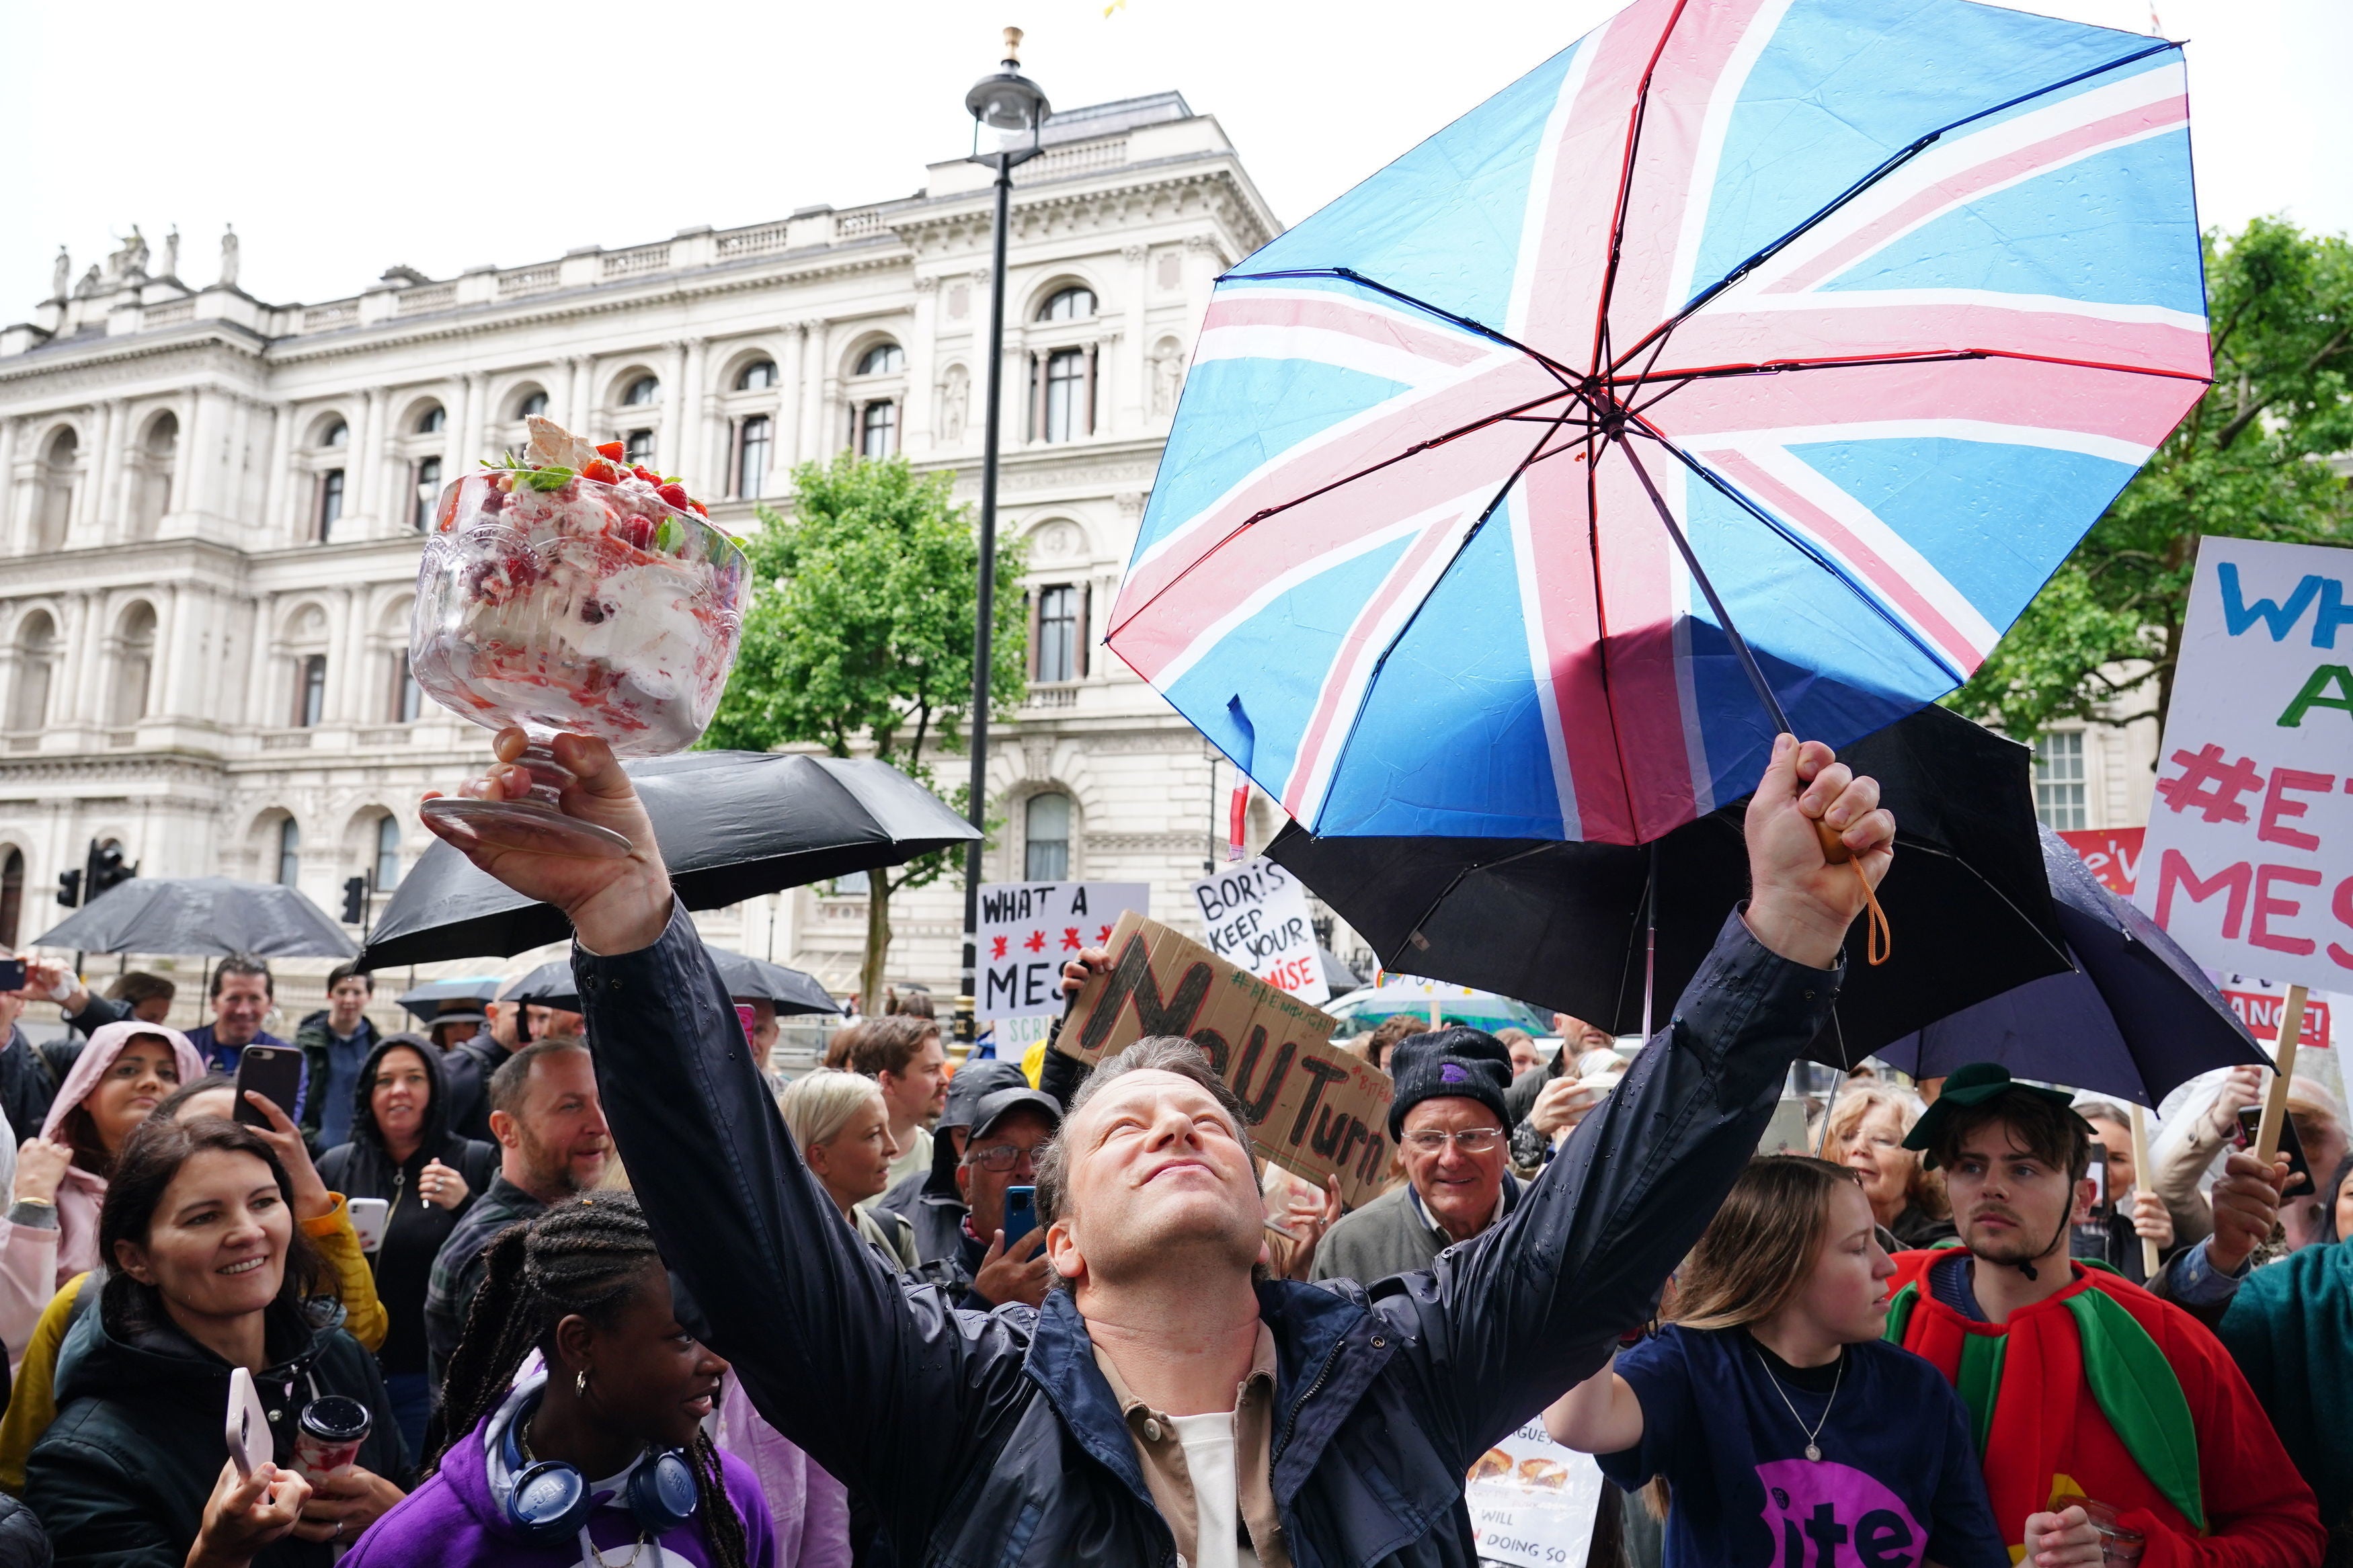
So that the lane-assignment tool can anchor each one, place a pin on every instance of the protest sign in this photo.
(1029, 929)
(1256, 915)
(1313, 1109)
(1532, 1501)
(2112, 853)
(2258, 1004)
(2248, 862)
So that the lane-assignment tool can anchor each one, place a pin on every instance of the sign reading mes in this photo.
(1029, 929)
(1256, 915)
(2249, 859)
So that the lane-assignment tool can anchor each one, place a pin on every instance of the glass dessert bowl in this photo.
(569, 592)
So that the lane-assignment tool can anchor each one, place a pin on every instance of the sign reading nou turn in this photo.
(2249, 859)
(1313, 1109)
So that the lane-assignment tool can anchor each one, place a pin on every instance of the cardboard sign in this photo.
(1029, 929)
(1533, 1502)
(2258, 1008)
(1313, 1109)
(1256, 914)
(2249, 859)
(2112, 853)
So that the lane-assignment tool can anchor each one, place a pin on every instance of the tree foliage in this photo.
(858, 640)
(2249, 461)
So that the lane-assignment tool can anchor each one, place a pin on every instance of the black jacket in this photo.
(468, 1067)
(310, 1038)
(994, 1440)
(413, 1229)
(25, 1087)
(122, 1476)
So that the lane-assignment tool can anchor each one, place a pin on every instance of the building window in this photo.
(1075, 303)
(1065, 399)
(752, 455)
(290, 854)
(1058, 633)
(759, 374)
(643, 390)
(639, 448)
(429, 490)
(311, 690)
(338, 435)
(534, 401)
(36, 648)
(878, 429)
(387, 853)
(11, 898)
(1046, 839)
(431, 420)
(135, 665)
(330, 500)
(2059, 780)
(407, 697)
(883, 359)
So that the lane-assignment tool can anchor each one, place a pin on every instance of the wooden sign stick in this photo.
(2141, 1183)
(2291, 1030)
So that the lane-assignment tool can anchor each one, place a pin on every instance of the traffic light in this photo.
(356, 890)
(107, 870)
(69, 889)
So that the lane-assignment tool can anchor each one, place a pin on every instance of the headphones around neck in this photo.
(548, 1501)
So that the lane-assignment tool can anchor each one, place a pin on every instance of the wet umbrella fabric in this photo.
(732, 825)
(201, 915)
(790, 991)
(1565, 924)
(2135, 1017)
(426, 1001)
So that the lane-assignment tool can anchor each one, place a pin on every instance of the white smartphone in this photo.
(368, 1217)
(249, 1442)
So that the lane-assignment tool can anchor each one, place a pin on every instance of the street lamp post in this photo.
(1006, 101)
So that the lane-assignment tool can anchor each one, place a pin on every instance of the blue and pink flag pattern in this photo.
(1886, 300)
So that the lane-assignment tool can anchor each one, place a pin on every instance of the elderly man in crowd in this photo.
(987, 1141)
(1449, 1124)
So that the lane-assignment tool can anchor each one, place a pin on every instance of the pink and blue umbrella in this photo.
(1749, 364)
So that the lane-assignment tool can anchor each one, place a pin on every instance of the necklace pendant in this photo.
(1813, 1452)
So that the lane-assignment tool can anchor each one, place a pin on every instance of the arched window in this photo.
(1046, 839)
(337, 435)
(643, 390)
(1075, 303)
(759, 374)
(331, 501)
(387, 853)
(158, 454)
(638, 447)
(60, 465)
(751, 454)
(878, 429)
(12, 896)
(310, 690)
(883, 359)
(432, 419)
(37, 652)
(1065, 401)
(290, 853)
(134, 667)
(407, 697)
(428, 490)
(533, 402)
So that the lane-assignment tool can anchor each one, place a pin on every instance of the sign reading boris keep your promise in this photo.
(2248, 863)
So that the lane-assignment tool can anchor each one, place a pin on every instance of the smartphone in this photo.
(273, 1073)
(1020, 1214)
(2097, 1172)
(368, 1217)
(249, 1442)
(2299, 1173)
(12, 975)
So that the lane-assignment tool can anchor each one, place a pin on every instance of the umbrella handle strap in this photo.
(1880, 940)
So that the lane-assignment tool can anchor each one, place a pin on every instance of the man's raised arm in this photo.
(829, 1348)
(1531, 1309)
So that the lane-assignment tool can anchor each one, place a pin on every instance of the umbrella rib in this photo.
(1561, 373)
(1894, 162)
(1448, 892)
(1625, 193)
(1921, 356)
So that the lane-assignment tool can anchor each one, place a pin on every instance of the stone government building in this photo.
(212, 509)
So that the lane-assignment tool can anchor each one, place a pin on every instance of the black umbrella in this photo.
(1337, 976)
(1564, 925)
(208, 915)
(427, 1000)
(732, 825)
(791, 991)
(2135, 1017)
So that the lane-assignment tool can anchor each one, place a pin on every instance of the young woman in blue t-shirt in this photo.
(1789, 1434)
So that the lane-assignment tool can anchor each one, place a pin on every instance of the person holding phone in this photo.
(210, 1272)
(843, 1127)
(402, 1150)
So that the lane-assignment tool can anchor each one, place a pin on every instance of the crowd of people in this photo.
(891, 1311)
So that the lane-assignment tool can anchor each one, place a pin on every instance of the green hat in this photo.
(1973, 1085)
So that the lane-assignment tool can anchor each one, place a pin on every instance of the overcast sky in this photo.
(341, 139)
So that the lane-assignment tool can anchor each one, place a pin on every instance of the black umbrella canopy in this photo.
(1338, 976)
(214, 916)
(732, 825)
(1563, 925)
(790, 991)
(2135, 1017)
(427, 1000)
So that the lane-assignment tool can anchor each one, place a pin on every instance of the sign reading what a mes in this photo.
(1313, 1109)
(1029, 929)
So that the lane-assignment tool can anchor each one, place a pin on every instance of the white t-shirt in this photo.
(1208, 1444)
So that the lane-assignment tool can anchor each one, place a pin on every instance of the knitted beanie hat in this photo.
(1455, 1063)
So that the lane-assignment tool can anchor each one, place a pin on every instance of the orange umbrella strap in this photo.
(1881, 941)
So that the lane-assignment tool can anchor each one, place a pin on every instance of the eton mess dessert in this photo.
(571, 589)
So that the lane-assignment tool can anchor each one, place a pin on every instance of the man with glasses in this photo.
(987, 1141)
(1449, 1124)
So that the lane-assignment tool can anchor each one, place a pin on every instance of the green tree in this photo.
(2249, 461)
(860, 639)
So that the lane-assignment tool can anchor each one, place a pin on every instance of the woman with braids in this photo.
(1787, 1431)
(598, 1455)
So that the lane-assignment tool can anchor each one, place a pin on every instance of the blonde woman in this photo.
(1907, 1199)
(1783, 1424)
(842, 1127)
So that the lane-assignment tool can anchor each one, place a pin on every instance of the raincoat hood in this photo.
(366, 1134)
(81, 1193)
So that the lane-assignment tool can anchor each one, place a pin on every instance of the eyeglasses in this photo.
(1470, 1141)
(1002, 1157)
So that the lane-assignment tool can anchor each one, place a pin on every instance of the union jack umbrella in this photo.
(1749, 364)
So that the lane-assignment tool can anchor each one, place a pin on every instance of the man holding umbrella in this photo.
(1137, 1412)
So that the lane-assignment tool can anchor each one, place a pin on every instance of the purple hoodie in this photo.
(451, 1521)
